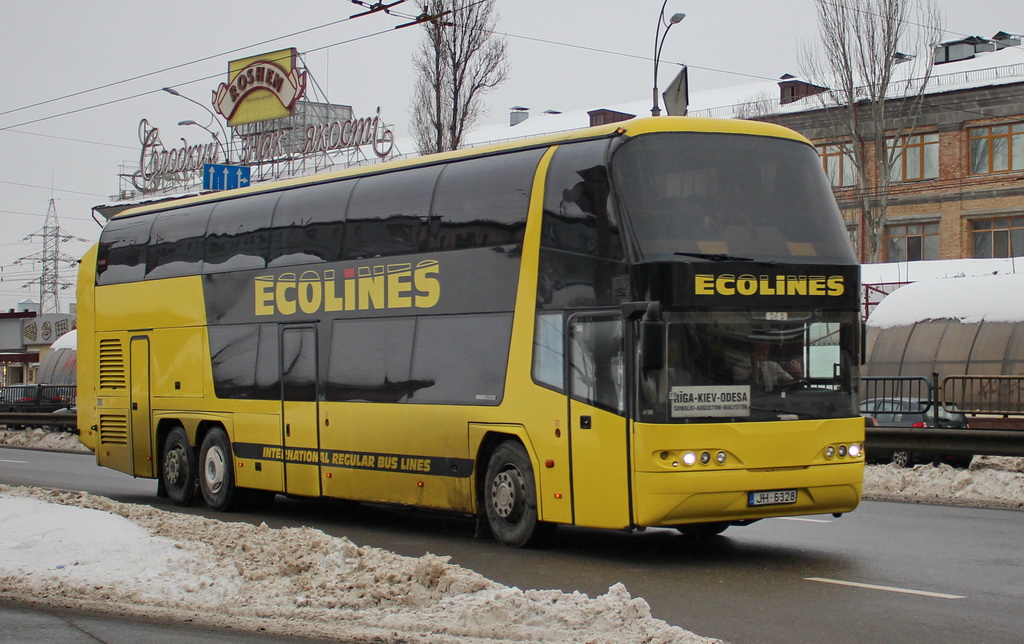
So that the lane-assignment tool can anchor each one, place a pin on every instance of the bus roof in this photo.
(632, 127)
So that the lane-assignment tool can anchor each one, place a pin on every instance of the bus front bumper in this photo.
(677, 498)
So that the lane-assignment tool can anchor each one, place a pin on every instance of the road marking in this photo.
(3, 460)
(804, 519)
(891, 589)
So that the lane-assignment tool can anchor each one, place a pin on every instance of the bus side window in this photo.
(461, 359)
(238, 234)
(122, 250)
(176, 242)
(595, 363)
(578, 214)
(548, 353)
(233, 351)
(370, 360)
(298, 364)
(268, 366)
(309, 224)
(482, 203)
(385, 213)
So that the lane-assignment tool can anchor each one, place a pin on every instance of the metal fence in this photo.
(994, 395)
(983, 397)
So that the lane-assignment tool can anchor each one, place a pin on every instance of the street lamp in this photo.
(216, 138)
(211, 132)
(174, 92)
(659, 42)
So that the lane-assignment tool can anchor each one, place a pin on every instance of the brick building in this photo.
(958, 188)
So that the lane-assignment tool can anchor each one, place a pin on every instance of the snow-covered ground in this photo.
(76, 549)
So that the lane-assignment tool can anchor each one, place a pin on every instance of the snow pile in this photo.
(75, 549)
(54, 441)
(991, 481)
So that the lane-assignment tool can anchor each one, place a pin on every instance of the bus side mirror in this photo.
(652, 339)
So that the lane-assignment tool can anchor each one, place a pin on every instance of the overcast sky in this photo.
(564, 55)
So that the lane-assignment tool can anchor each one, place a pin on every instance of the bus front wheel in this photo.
(217, 474)
(510, 498)
(178, 469)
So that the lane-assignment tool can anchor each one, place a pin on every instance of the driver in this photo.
(764, 372)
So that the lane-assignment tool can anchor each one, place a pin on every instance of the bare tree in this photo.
(459, 60)
(876, 58)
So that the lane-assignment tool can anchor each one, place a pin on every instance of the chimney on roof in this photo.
(1004, 40)
(792, 89)
(518, 115)
(605, 116)
(963, 49)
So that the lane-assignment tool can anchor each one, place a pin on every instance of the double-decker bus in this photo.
(653, 323)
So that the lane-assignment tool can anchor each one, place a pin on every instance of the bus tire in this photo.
(510, 498)
(178, 468)
(217, 473)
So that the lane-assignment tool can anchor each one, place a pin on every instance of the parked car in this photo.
(33, 399)
(913, 412)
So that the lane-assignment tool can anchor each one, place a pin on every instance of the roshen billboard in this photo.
(260, 88)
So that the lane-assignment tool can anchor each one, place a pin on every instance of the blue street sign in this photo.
(217, 176)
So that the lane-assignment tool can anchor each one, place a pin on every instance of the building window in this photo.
(917, 157)
(997, 148)
(912, 242)
(1003, 237)
(837, 160)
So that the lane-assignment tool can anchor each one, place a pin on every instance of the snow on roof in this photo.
(988, 298)
(985, 69)
(902, 272)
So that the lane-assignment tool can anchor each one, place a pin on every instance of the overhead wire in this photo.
(11, 128)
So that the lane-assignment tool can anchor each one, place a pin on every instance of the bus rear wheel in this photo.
(510, 498)
(217, 474)
(178, 468)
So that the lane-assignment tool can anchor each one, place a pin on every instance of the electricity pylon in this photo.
(49, 281)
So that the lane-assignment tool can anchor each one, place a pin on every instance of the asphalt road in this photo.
(887, 572)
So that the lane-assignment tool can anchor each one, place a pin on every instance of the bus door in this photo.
(299, 414)
(597, 422)
(141, 419)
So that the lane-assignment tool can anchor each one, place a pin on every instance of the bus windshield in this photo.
(752, 366)
(730, 197)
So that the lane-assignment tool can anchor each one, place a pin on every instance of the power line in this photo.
(172, 67)
(66, 138)
(29, 185)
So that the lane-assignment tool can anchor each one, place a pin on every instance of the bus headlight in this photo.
(830, 452)
(854, 450)
(842, 451)
(705, 458)
(720, 458)
(689, 458)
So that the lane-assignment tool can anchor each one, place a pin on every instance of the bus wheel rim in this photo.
(503, 493)
(172, 466)
(215, 469)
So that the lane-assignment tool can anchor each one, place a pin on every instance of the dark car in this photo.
(913, 412)
(31, 399)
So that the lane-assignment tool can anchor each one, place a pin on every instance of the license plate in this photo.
(771, 497)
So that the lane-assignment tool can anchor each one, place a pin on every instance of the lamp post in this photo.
(659, 42)
(216, 138)
(174, 92)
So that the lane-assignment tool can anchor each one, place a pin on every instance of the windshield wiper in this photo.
(717, 257)
(788, 412)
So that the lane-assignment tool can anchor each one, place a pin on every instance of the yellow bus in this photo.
(652, 323)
